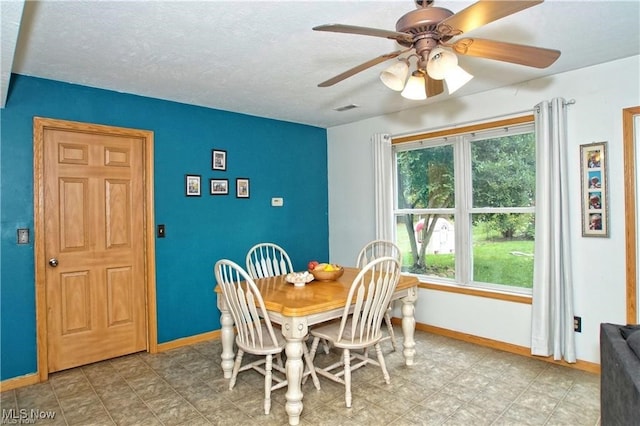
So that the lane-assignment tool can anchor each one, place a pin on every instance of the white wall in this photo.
(600, 92)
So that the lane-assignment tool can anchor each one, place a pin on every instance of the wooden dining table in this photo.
(298, 308)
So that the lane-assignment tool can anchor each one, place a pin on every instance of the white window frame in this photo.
(461, 143)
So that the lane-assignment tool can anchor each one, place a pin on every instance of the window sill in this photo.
(509, 297)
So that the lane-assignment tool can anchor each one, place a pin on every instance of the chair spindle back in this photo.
(267, 260)
(369, 297)
(246, 305)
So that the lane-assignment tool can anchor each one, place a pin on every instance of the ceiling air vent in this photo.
(346, 107)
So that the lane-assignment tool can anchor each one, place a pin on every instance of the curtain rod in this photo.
(478, 121)
(464, 123)
(564, 104)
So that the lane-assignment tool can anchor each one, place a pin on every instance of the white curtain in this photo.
(552, 306)
(382, 168)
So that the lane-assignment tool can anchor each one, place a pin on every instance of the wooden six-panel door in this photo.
(94, 246)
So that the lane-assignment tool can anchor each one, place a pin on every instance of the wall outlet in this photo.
(277, 201)
(577, 324)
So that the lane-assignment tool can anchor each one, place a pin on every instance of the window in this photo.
(464, 206)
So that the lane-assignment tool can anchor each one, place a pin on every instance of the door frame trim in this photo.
(629, 150)
(39, 126)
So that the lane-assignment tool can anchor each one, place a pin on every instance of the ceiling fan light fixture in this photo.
(415, 88)
(427, 29)
(440, 63)
(395, 76)
(456, 78)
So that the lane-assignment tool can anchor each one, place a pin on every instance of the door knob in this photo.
(53, 262)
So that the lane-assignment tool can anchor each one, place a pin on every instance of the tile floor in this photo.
(452, 383)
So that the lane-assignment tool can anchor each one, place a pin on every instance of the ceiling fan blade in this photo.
(352, 29)
(338, 78)
(482, 13)
(531, 56)
(433, 87)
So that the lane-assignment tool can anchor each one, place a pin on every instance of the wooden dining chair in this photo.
(268, 260)
(374, 250)
(254, 332)
(360, 325)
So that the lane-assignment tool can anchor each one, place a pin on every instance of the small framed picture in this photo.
(593, 169)
(219, 186)
(242, 188)
(218, 159)
(192, 185)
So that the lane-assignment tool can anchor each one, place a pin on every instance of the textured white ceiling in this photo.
(262, 58)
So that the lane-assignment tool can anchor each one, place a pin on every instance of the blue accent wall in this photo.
(281, 159)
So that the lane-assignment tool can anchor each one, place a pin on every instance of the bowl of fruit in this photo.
(325, 271)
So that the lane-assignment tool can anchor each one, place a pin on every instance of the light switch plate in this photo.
(277, 201)
(23, 236)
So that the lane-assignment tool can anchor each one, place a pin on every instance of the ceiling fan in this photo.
(426, 34)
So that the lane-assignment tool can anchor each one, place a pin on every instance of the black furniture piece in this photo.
(619, 375)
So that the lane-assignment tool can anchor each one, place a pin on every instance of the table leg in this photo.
(294, 332)
(227, 337)
(409, 325)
